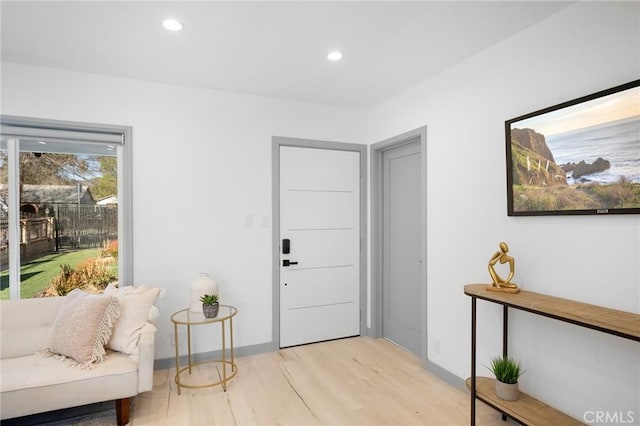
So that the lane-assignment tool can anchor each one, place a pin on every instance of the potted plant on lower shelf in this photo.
(210, 305)
(507, 372)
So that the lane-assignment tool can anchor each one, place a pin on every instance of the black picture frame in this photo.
(580, 157)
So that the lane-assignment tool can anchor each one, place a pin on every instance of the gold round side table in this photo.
(189, 318)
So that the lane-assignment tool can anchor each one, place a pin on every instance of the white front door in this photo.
(319, 216)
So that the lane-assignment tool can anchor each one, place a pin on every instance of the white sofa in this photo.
(33, 383)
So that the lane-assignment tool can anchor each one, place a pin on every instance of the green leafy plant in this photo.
(209, 299)
(506, 370)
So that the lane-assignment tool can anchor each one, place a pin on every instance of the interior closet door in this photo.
(402, 252)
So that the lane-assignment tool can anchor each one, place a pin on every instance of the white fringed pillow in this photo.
(83, 326)
(135, 308)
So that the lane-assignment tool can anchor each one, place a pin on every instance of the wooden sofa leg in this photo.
(122, 411)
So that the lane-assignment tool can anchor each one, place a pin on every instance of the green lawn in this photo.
(35, 276)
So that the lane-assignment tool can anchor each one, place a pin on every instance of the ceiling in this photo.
(275, 49)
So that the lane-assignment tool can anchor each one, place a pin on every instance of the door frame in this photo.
(417, 135)
(276, 143)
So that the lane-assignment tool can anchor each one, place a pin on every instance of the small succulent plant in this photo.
(209, 299)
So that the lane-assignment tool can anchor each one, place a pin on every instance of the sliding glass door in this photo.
(65, 212)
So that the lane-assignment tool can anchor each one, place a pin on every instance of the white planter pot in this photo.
(507, 391)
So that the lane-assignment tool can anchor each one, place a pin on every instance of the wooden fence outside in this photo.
(72, 227)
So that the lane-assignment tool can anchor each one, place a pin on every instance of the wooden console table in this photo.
(528, 410)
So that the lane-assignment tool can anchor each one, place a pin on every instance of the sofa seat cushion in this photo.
(37, 370)
(36, 383)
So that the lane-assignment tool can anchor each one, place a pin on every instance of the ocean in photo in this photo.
(616, 141)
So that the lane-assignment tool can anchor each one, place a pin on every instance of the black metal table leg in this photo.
(505, 339)
(473, 361)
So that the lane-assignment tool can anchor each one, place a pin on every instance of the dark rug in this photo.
(100, 414)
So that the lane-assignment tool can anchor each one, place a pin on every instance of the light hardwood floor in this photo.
(356, 381)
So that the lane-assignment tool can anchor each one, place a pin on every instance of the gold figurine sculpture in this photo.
(500, 284)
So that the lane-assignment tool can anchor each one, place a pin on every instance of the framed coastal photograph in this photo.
(578, 157)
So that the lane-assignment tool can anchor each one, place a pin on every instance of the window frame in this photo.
(16, 127)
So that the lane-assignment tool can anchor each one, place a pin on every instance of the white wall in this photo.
(585, 48)
(201, 162)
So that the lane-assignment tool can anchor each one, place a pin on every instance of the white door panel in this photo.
(319, 169)
(321, 209)
(321, 286)
(312, 249)
(318, 324)
(319, 214)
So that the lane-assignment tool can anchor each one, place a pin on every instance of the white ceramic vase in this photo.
(202, 285)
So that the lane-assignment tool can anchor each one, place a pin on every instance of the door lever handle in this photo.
(287, 262)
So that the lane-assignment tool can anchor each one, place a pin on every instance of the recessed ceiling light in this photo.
(42, 142)
(334, 56)
(172, 24)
